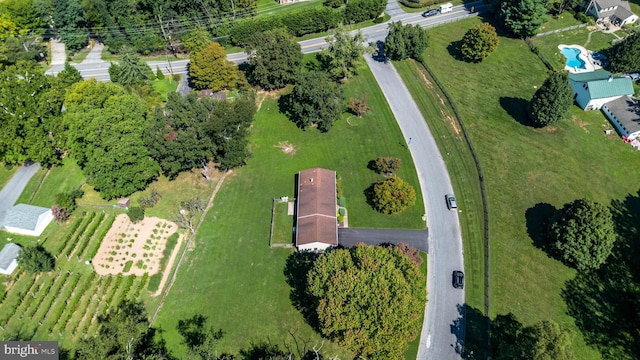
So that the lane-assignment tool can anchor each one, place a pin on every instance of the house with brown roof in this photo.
(316, 218)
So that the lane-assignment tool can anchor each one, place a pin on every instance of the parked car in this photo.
(458, 279)
(430, 12)
(451, 202)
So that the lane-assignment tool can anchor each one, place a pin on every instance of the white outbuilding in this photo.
(27, 219)
(9, 258)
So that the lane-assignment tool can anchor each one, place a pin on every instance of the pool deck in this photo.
(585, 55)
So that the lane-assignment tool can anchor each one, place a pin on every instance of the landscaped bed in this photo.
(133, 249)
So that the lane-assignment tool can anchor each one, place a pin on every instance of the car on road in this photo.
(430, 12)
(451, 202)
(458, 279)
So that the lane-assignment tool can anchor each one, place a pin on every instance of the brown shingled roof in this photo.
(316, 213)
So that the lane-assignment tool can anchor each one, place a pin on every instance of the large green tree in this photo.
(552, 100)
(197, 39)
(131, 70)
(370, 299)
(29, 111)
(210, 69)
(35, 259)
(582, 234)
(344, 54)
(392, 195)
(405, 41)
(176, 137)
(625, 56)
(315, 100)
(274, 59)
(479, 42)
(123, 333)
(545, 340)
(104, 134)
(523, 18)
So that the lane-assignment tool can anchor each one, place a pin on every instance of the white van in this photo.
(445, 8)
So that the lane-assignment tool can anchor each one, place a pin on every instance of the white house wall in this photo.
(630, 20)
(314, 246)
(43, 221)
(9, 270)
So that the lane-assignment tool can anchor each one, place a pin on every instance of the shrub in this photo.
(136, 214)
(387, 165)
(60, 215)
(342, 201)
(35, 259)
(392, 195)
(159, 74)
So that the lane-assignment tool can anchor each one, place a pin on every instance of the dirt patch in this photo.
(286, 147)
(169, 266)
(133, 249)
(262, 95)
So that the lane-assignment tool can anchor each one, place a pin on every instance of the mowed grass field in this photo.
(232, 276)
(526, 168)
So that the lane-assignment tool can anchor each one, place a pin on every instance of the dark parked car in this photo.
(451, 202)
(430, 12)
(458, 279)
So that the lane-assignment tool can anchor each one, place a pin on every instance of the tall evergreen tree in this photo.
(523, 18)
(552, 100)
(405, 41)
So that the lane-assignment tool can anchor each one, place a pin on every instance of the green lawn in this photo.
(6, 174)
(232, 276)
(527, 168)
(165, 86)
(267, 7)
(282, 224)
(461, 168)
(59, 179)
(561, 21)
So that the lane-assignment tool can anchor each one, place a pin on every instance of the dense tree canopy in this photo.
(582, 234)
(523, 18)
(30, 105)
(479, 42)
(386, 296)
(105, 127)
(35, 259)
(344, 53)
(392, 195)
(552, 100)
(315, 100)
(405, 41)
(545, 340)
(274, 59)
(210, 69)
(625, 56)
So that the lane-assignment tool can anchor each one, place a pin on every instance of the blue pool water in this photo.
(572, 58)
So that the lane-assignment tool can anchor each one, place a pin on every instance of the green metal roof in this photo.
(590, 76)
(604, 88)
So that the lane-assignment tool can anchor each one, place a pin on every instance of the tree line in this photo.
(159, 25)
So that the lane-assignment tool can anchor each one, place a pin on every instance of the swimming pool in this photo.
(572, 58)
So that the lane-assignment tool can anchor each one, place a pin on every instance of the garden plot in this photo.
(133, 249)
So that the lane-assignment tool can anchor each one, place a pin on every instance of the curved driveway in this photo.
(442, 336)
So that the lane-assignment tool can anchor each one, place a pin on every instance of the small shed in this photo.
(124, 203)
(9, 258)
(27, 219)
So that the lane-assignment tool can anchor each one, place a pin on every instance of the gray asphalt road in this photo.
(12, 190)
(99, 69)
(443, 329)
(349, 237)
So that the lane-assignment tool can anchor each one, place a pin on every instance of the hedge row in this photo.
(307, 21)
(101, 236)
(72, 229)
(87, 237)
(77, 295)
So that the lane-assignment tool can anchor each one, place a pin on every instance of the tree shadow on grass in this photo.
(606, 303)
(455, 50)
(297, 267)
(517, 109)
(537, 218)
(474, 329)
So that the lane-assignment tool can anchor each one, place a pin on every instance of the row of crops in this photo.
(64, 304)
